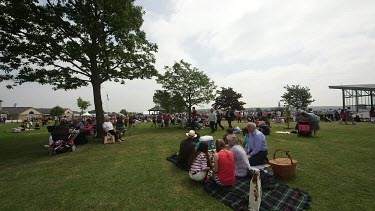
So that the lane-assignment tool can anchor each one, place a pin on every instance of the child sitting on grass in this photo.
(201, 163)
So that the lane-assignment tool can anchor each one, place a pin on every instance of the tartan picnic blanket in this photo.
(281, 197)
(173, 159)
(275, 197)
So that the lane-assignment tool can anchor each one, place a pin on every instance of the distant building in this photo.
(29, 113)
(46, 111)
(21, 113)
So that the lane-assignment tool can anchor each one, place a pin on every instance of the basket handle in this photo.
(286, 152)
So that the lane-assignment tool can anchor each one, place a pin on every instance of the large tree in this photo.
(227, 97)
(163, 99)
(56, 111)
(172, 103)
(297, 96)
(178, 103)
(193, 85)
(74, 43)
(83, 104)
(123, 111)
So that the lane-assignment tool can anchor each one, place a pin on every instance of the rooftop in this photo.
(365, 87)
(14, 110)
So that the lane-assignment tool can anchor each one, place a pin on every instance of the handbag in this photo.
(109, 139)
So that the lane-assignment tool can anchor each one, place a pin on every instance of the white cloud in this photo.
(256, 47)
(267, 45)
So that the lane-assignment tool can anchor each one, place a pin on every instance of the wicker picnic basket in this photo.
(283, 168)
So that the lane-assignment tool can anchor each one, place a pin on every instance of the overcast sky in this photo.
(255, 47)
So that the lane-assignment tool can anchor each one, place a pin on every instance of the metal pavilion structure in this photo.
(357, 97)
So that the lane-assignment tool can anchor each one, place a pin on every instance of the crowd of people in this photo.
(231, 158)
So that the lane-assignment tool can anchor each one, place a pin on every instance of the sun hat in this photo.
(191, 133)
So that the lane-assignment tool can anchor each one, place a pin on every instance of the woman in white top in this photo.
(108, 128)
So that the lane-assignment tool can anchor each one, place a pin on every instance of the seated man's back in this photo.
(265, 129)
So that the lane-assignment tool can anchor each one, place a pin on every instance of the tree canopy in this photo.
(178, 104)
(172, 103)
(124, 111)
(56, 111)
(227, 97)
(69, 44)
(82, 104)
(163, 99)
(297, 96)
(193, 85)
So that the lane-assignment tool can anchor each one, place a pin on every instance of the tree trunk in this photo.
(98, 107)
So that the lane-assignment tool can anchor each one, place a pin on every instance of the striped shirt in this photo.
(199, 164)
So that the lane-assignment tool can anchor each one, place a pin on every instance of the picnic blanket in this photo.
(275, 196)
(173, 159)
(281, 197)
(282, 132)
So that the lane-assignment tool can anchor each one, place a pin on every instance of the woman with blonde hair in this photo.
(224, 170)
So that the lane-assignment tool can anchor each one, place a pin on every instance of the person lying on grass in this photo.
(224, 170)
(201, 163)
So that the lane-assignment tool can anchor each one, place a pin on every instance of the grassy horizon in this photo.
(335, 168)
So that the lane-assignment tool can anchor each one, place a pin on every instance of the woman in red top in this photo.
(224, 170)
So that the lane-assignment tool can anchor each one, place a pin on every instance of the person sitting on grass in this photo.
(224, 169)
(201, 163)
(241, 161)
(88, 128)
(84, 132)
(197, 140)
(109, 130)
(187, 149)
(256, 121)
(23, 126)
(264, 128)
(37, 126)
(258, 146)
(79, 124)
(246, 140)
(228, 133)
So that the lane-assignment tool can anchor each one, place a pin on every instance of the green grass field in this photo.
(335, 168)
